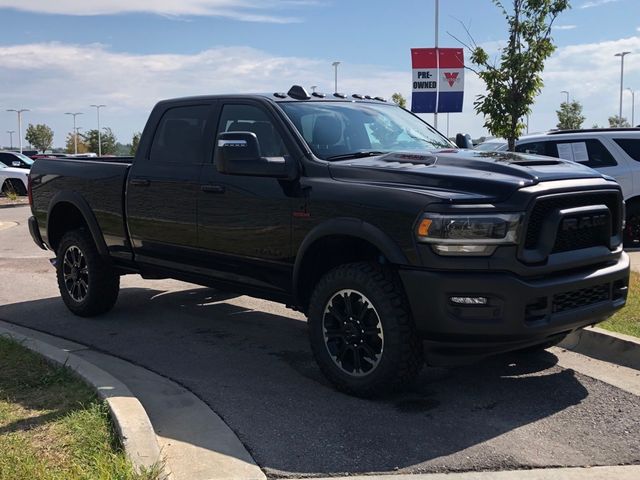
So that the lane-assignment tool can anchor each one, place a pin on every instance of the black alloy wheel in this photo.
(353, 332)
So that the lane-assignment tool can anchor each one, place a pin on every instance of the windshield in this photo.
(337, 129)
(24, 158)
(490, 146)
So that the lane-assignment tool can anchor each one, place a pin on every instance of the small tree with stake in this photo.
(513, 84)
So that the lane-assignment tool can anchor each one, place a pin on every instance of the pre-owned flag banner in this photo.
(438, 80)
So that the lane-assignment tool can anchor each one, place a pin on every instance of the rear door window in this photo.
(631, 146)
(180, 135)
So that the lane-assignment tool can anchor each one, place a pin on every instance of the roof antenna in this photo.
(298, 92)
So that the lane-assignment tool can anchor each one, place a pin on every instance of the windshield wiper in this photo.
(346, 156)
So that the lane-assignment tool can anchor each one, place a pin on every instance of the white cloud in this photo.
(597, 3)
(245, 10)
(564, 27)
(53, 78)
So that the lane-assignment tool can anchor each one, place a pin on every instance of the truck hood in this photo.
(459, 174)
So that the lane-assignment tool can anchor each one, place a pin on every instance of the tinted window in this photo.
(179, 136)
(631, 146)
(598, 155)
(248, 118)
(537, 148)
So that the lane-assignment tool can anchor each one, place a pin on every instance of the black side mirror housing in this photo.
(238, 153)
(464, 141)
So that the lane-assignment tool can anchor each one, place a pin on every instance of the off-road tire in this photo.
(103, 283)
(402, 357)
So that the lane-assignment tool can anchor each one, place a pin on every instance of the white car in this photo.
(612, 151)
(13, 179)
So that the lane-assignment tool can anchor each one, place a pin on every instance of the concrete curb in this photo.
(129, 416)
(13, 205)
(604, 345)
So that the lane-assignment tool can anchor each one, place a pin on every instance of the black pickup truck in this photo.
(398, 246)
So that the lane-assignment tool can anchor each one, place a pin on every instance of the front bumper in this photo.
(520, 312)
(35, 233)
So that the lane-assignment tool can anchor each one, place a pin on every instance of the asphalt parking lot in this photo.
(249, 360)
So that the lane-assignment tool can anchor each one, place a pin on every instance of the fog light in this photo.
(469, 300)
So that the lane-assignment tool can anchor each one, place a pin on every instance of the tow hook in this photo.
(53, 262)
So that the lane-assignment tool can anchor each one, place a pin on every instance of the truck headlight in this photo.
(476, 234)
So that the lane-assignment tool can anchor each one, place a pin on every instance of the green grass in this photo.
(52, 425)
(627, 320)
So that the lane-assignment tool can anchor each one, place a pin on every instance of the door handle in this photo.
(140, 182)
(212, 188)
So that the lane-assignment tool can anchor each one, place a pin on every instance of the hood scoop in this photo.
(409, 159)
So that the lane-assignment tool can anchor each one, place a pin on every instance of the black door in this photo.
(244, 222)
(162, 191)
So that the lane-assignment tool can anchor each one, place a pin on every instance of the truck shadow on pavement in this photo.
(255, 369)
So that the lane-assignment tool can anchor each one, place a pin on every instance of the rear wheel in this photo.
(361, 332)
(87, 282)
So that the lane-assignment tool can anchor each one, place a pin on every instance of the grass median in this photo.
(52, 425)
(627, 320)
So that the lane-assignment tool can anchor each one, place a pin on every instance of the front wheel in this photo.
(87, 282)
(361, 331)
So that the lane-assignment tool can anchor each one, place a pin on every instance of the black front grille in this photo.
(563, 302)
(567, 240)
(575, 239)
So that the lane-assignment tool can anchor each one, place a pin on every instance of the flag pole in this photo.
(435, 114)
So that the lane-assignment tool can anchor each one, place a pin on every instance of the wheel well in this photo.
(327, 253)
(63, 218)
(14, 185)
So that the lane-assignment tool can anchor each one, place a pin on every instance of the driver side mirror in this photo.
(464, 141)
(238, 153)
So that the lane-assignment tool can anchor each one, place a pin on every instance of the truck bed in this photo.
(98, 183)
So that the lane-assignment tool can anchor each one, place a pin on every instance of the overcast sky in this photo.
(63, 55)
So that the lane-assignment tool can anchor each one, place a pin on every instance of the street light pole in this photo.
(621, 55)
(335, 67)
(567, 94)
(98, 107)
(75, 134)
(633, 106)
(11, 132)
(19, 112)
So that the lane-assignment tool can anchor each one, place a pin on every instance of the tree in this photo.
(135, 141)
(108, 140)
(399, 99)
(513, 85)
(570, 116)
(70, 144)
(618, 122)
(40, 136)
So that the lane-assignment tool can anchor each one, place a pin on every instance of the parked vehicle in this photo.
(13, 180)
(15, 159)
(612, 151)
(398, 246)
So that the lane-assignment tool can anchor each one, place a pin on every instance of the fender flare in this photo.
(83, 207)
(349, 227)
